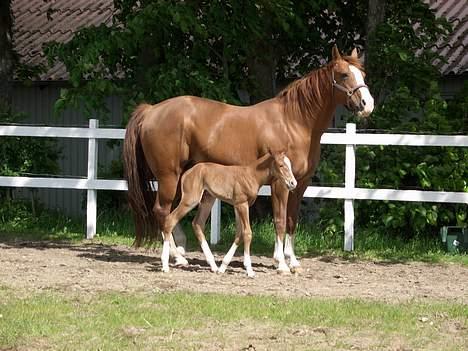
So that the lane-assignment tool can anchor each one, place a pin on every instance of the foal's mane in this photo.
(307, 94)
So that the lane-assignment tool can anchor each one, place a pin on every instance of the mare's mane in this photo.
(307, 94)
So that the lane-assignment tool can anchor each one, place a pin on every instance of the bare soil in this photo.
(91, 267)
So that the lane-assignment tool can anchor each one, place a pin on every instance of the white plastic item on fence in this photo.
(91, 201)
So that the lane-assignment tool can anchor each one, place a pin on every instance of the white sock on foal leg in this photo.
(209, 256)
(248, 265)
(165, 256)
(227, 259)
(177, 252)
(279, 256)
(289, 252)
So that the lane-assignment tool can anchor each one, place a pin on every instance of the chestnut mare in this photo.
(164, 140)
(236, 185)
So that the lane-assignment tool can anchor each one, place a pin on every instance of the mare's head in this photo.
(281, 169)
(348, 83)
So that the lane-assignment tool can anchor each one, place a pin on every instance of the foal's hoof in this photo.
(181, 250)
(296, 269)
(181, 261)
(283, 269)
(214, 269)
(165, 269)
(251, 274)
(222, 269)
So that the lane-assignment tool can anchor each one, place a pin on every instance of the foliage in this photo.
(405, 82)
(158, 49)
(20, 155)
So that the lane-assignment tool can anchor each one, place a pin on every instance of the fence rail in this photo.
(349, 192)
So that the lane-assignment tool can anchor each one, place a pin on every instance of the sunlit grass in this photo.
(115, 321)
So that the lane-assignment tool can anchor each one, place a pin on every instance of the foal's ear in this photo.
(354, 53)
(336, 53)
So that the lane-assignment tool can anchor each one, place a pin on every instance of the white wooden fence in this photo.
(349, 193)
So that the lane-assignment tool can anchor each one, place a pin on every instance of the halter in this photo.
(348, 92)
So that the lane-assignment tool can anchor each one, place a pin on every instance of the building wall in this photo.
(37, 101)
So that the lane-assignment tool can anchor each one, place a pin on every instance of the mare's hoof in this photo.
(181, 250)
(181, 261)
(165, 269)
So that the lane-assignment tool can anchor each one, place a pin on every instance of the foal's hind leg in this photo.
(198, 225)
(167, 187)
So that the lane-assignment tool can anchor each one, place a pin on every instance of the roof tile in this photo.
(39, 21)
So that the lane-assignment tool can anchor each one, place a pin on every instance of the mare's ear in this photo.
(335, 53)
(354, 53)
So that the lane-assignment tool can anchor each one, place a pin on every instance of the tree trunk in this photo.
(6, 56)
(375, 16)
(262, 72)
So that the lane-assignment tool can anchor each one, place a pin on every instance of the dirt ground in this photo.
(95, 267)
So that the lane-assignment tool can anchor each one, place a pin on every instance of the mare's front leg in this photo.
(198, 225)
(279, 198)
(294, 201)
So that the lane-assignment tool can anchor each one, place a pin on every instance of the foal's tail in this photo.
(141, 197)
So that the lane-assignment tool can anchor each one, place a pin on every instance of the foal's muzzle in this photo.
(291, 184)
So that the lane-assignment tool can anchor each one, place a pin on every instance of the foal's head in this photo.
(281, 169)
(348, 83)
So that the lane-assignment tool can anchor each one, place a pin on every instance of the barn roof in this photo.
(39, 21)
(455, 49)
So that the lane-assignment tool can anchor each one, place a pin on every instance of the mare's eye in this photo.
(344, 76)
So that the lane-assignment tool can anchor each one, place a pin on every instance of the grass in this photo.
(117, 228)
(183, 321)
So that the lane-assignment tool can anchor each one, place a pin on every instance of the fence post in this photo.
(215, 222)
(350, 177)
(91, 205)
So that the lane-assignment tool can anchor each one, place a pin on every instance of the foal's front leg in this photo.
(243, 212)
(279, 198)
(294, 201)
(232, 251)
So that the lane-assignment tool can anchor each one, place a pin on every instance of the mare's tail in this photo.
(141, 197)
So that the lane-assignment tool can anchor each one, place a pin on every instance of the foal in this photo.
(236, 185)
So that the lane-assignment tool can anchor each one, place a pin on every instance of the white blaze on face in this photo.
(287, 161)
(367, 99)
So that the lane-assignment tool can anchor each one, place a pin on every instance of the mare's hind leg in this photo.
(294, 202)
(232, 251)
(198, 225)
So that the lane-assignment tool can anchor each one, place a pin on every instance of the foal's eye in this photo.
(344, 76)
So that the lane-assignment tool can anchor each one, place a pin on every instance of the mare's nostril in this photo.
(363, 102)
